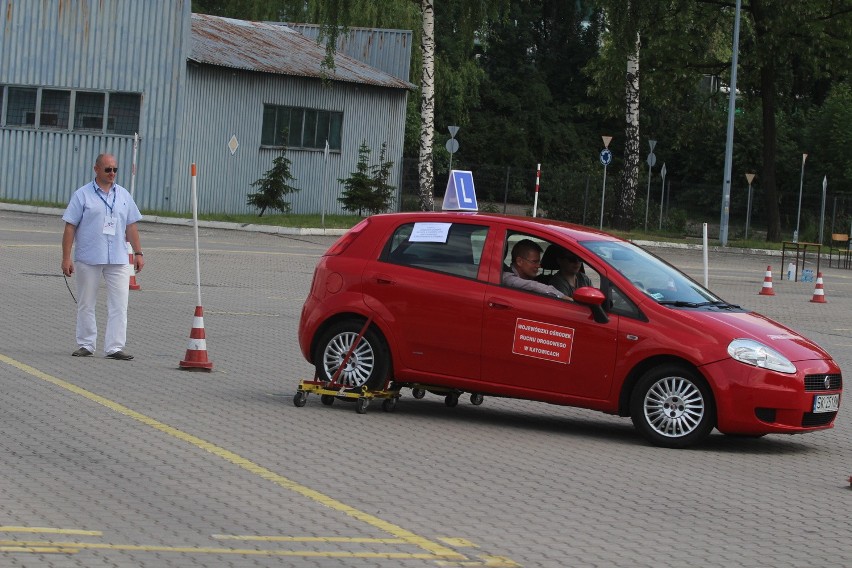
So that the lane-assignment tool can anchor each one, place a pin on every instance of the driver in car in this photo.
(526, 261)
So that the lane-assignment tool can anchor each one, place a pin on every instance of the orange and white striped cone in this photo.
(196, 352)
(766, 289)
(819, 292)
(133, 284)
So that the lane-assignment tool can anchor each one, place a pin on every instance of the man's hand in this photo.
(67, 267)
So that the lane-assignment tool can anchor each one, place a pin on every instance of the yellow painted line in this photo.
(458, 542)
(487, 561)
(39, 549)
(390, 528)
(75, 546)
(359, 540)
(49, 530)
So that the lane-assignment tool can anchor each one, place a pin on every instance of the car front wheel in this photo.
(367, 364)
(672, 407)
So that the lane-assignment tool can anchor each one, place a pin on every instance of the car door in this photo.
(430, 294)
(545, 347)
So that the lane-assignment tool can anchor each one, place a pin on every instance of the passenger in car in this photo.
(526, 260)
(569, 275)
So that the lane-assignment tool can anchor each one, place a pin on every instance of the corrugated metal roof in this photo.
(275, 48)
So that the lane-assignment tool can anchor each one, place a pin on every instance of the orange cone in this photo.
(819, 292)
(767, 290)
(133, 284)
(196, 352)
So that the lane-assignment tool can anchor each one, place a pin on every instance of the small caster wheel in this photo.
(389, 404)
(418, 393)
(451, 399)
(300, 398)
(361, 405)
(476, 398)
(327, 399)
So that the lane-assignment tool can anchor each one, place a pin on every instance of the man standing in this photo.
(101, 217)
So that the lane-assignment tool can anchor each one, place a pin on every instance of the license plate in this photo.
(826, 403)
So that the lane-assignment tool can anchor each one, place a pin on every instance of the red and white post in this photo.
(133, 284)
(196, 351)
(537, 183)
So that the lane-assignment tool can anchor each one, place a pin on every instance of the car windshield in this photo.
(651, 275)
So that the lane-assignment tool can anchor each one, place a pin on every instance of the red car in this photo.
(639, 338)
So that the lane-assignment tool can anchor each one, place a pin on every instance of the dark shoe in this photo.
(82, 352)
(120, 355)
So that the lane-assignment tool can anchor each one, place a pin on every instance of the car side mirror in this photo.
(594, 298)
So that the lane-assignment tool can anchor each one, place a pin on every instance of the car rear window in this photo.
(452, 248)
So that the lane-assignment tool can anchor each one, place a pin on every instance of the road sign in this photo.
(460, 194)
(606, 156)
(652, 159)
(452, 145)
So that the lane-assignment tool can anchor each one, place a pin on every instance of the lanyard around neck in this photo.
(98, 193)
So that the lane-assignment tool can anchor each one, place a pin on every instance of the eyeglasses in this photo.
(535, 262)
(571, 258)
(111, 170)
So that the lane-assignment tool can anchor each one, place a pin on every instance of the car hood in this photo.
(751, 325)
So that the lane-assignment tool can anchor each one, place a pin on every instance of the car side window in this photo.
(451, 248)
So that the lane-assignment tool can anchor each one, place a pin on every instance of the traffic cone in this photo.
(819, 292)
(766, 289)
(196, 352)
(133, 284)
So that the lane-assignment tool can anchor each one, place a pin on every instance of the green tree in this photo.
(367, 189)
(273, 186)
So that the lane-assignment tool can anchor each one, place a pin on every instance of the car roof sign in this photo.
(460, 194)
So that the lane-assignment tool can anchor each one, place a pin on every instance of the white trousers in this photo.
(117, 278)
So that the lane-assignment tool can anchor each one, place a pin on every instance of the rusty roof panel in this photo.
(275, 48)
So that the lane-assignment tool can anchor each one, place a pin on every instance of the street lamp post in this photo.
(652, 159)
(799, 214)
(750, 178)
(729, 142)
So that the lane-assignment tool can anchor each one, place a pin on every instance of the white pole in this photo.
(324, 183)
(537, 181)
(133, 165)
(799, 214)
(603, 197)
(706, 259)
(195, 224)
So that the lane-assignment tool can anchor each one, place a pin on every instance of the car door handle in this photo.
(499, 304)
(384, 279)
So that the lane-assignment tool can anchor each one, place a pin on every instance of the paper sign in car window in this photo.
(430, 232)
(543, 340)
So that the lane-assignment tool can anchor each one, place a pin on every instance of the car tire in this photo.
(367, 366)
(672, 406)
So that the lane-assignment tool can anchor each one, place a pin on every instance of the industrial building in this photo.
(82, 77)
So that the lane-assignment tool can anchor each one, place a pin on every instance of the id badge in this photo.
(109, 225)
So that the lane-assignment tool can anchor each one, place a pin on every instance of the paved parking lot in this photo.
(108, 463)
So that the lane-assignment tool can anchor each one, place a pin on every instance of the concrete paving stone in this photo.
(540, 484)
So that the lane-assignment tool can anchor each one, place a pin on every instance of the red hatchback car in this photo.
(472, 302)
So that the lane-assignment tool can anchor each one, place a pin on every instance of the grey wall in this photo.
(224, 102)
(120, 45)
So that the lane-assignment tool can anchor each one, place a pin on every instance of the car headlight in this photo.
(755, 353)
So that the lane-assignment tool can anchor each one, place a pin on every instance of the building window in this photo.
(300, 127)
(89, 111)
(123, 115)
(55, 106)
(52, 109)
(21, 107)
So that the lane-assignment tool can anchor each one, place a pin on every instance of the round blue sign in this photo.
(606, 156)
